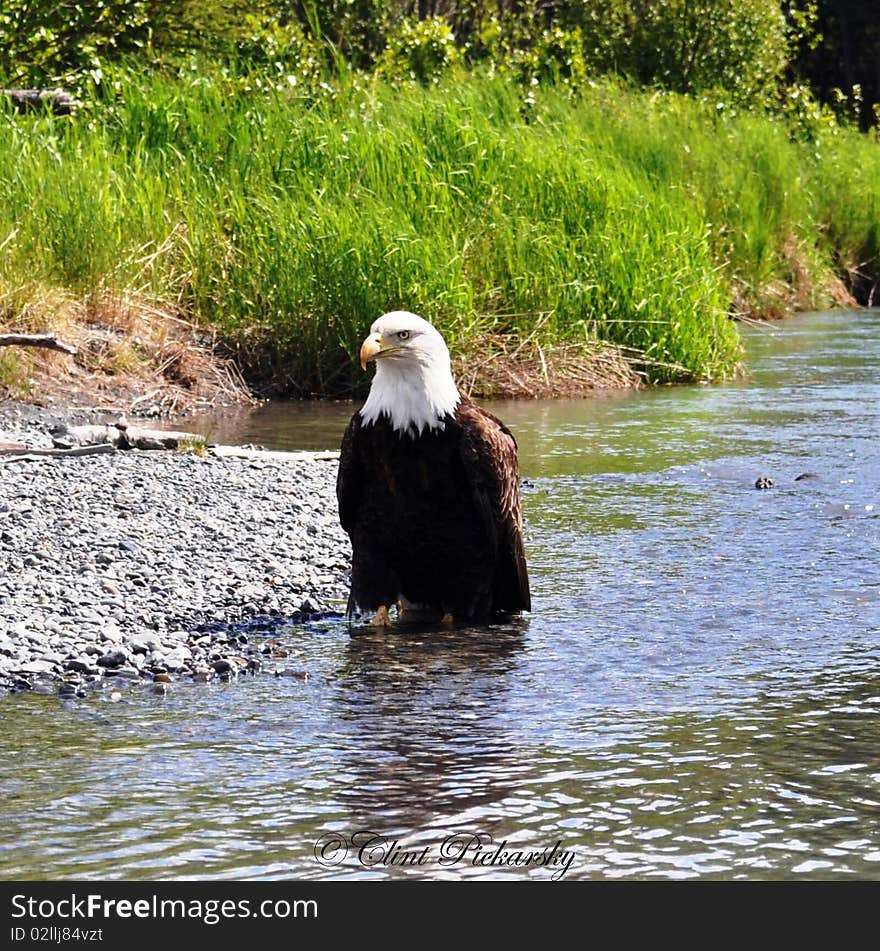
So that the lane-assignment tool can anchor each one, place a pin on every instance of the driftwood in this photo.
(38, 455)
(88, 440)
(99, 438)
(137, 438)
(59, 102)
(122, 436)
(267, 455)
(69, 437)
(46, 341)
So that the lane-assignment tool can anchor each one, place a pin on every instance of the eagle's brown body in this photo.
(434, 518)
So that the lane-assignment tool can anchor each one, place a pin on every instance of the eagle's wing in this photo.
(348, 478)
(489, 454)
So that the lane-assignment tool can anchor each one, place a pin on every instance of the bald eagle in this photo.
(428, 489)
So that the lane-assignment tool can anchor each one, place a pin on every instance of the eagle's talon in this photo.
(382, 618)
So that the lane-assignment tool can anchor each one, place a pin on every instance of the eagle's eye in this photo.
(403, 335)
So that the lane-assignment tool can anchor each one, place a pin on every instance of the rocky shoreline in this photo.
(157, 566)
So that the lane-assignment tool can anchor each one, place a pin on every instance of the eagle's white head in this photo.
(413, 385)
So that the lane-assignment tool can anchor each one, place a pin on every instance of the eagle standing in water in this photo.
(428, 489)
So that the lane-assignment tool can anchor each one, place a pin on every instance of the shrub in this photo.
(689, 46)
(420, 50)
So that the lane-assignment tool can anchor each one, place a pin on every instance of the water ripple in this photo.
(695, 695)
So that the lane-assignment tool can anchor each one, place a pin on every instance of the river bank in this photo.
(619, 230)
(148, 567)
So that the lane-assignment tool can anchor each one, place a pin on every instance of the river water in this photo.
(696, 694)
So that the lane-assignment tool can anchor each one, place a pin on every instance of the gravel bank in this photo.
(148, 565)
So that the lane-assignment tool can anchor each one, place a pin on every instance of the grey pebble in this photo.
(220, 543)
(35, 667)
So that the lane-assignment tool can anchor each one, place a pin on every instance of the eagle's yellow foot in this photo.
(382, 618)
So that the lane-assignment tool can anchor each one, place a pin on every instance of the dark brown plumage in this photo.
(428, 488)
(434, 517)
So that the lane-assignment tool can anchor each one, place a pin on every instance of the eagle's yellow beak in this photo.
(370, 348)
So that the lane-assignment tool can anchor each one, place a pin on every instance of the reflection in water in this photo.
(426, 738)
(695, 694)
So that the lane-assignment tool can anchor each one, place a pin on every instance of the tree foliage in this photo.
(840, 58)
(689, 46)
(746, 51)
(43, 42)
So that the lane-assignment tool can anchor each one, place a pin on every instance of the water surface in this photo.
(696, 694)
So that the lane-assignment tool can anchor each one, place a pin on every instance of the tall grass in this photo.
(289, 224)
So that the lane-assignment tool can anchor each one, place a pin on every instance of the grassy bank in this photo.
(287, 224)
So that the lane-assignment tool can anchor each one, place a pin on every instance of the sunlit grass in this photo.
(289, 224)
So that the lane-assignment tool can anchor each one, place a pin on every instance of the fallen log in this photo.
(122, 436)
(46, 341)
(60, 103)
(137, 438)
(38, 455)
(69, 437)
(269, 455)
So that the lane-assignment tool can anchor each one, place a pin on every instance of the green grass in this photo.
(289, 224)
